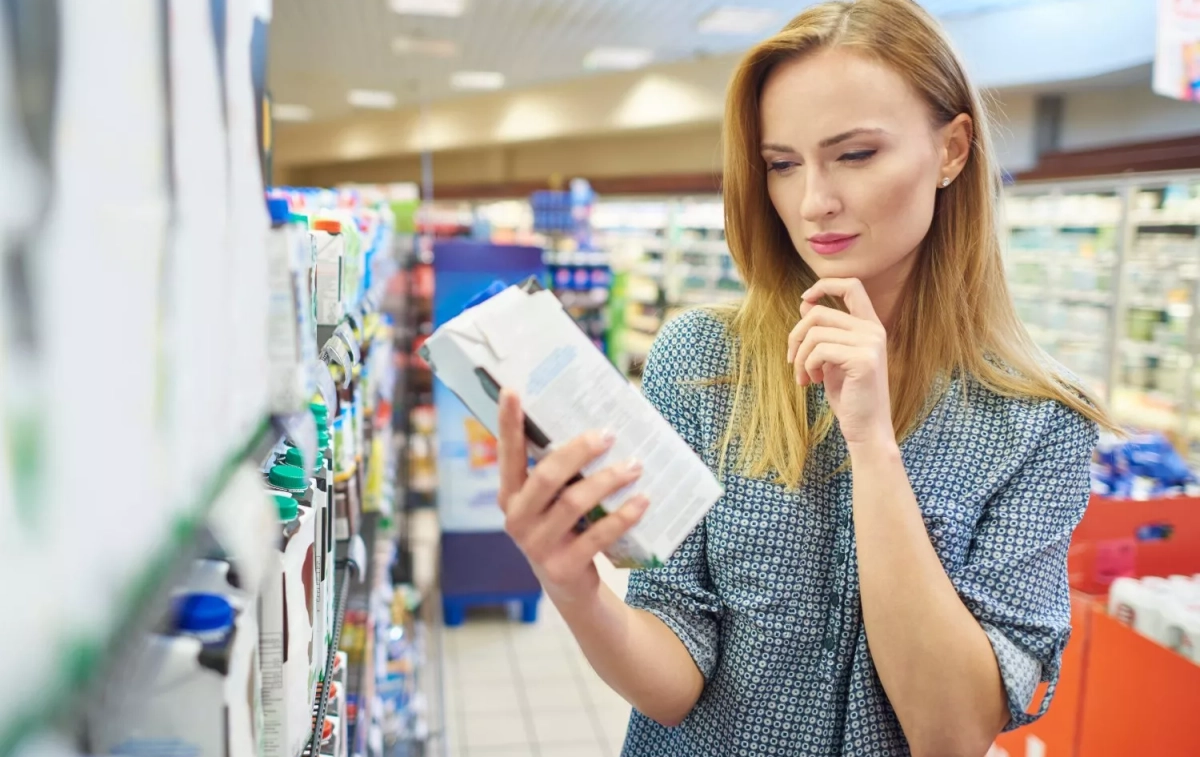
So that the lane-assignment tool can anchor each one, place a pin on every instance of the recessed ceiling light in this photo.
(371, 98)
(617, 58)
(444, 8)
(732, 19)
(291, 113)
(477, 80)
(434, 48)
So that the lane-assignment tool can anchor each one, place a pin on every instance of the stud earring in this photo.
(945, 182)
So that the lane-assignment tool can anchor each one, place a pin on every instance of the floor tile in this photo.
(555, 696)
(614, 724)
(569, 727)
(601, 697)
(550, 665)
(487, 699)
(485, 670)
(525, 750)
(490, 731)
(572, 750)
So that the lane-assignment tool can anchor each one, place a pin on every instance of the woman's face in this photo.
(854, 164)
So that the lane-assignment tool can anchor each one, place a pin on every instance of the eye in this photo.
(858, 156)
(781, 166)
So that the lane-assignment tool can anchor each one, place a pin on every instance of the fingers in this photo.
(605, 532)
(827, 354)
(819, 315)
(575, 502)
(512, 453)
(851, 292)
(814, 338)
(555, 471)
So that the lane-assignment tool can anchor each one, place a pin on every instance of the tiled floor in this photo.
(516, 690)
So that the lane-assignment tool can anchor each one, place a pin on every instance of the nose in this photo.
(820, 200)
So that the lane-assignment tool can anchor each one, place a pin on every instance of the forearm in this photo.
(933, 658)
(635, 653)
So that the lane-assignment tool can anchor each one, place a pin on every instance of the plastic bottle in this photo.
(289, 512)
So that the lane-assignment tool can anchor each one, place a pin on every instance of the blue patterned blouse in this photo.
(765, 593)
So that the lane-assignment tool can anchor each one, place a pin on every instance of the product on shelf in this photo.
(523, 339)
(1166, 610)
(292, 332)
(287, 611)
(329, 254)
(193, 688)
(1140, 467)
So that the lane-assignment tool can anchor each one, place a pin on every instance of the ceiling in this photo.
(321, 49)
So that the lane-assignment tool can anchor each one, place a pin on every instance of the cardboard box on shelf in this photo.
(1139, 697)
(1120, 692)
(1137, 538)
(523, 339)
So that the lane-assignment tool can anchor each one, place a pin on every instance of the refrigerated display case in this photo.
(1104, 273)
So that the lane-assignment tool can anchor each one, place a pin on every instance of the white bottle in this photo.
(188, 689)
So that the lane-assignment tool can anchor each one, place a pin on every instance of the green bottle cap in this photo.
(288, 507)
(322, 438)
(320, 410)
(288, 477)
(294, 457)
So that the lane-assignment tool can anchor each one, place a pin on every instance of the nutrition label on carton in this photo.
(529, 344)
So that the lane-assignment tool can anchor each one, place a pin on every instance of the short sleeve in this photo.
(680, 593)
(1014, 579)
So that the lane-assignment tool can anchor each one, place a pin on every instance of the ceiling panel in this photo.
(320, 49)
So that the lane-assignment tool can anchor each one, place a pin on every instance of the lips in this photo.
(831, 244)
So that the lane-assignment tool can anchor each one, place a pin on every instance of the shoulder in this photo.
(690, 359)
(1031, 423)
(695, 346)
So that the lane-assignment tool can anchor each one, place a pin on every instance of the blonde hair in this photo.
(957, 319)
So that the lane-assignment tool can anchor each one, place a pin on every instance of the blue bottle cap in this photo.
(278, 208)
(199, 613)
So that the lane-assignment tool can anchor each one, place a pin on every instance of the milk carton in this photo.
(522, 339)
(287, 616)
(329, 255)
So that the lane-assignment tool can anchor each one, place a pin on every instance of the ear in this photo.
(956, 139)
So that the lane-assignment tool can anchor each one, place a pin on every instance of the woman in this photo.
(886, 572)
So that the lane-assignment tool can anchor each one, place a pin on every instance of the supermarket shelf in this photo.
(1151, 349)
(1066, 336)
(643, 323)
(148, 600)
(321, 707)
(1057, 222)
(638, 343)
(1164, 218)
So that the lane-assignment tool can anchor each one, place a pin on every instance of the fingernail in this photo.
(639, 504)
(607, 438)
(633, 467)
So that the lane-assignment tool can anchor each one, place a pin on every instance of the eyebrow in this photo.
(828, 142)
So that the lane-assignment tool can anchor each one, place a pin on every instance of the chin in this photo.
(841, 266)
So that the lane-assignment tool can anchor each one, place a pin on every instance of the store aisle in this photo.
(516, 690)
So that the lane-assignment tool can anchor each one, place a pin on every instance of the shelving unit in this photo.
(59, 702)
(1105, 275)
(674, 255)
